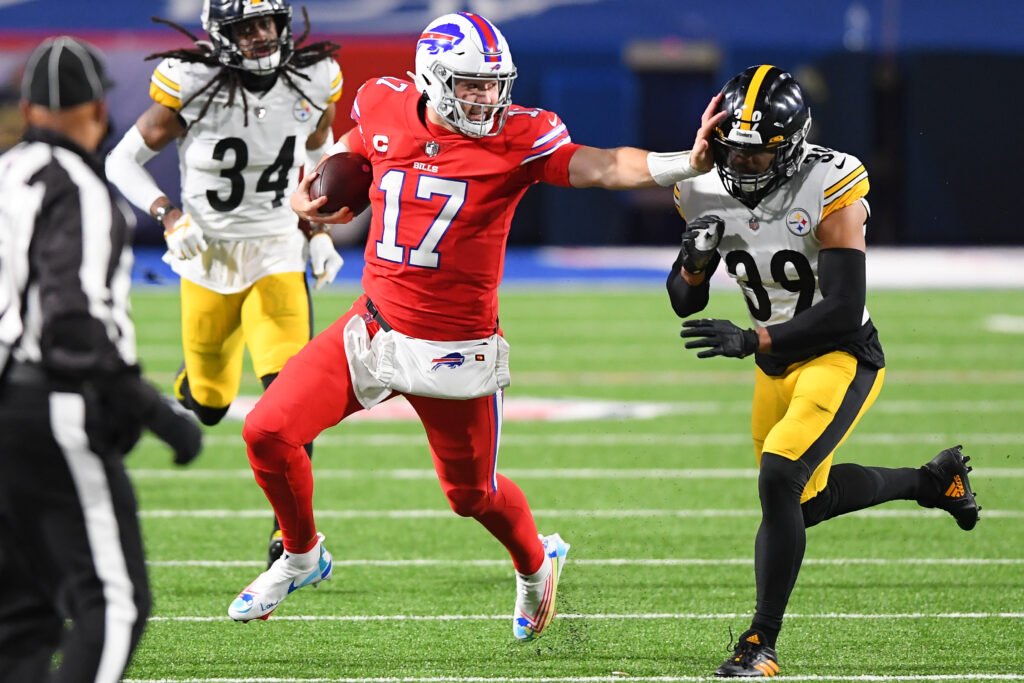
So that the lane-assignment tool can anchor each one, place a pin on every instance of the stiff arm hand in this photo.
(701, 156)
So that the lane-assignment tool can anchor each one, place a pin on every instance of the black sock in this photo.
(855, 487)
(780, 543)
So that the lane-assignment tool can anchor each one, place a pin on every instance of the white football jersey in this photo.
(772, 250)
(236, 178)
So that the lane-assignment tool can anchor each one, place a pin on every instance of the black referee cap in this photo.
(64, 72)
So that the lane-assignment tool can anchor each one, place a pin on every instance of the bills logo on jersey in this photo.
(799, 222)
(302, 110)
(449, 360)
(440, 38)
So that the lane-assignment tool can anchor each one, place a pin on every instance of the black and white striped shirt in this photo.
(65, 261)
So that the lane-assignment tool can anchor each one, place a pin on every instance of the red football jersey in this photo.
(442, 208)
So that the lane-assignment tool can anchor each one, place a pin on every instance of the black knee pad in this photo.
(781, 476)
(209, 416)
(267, 380)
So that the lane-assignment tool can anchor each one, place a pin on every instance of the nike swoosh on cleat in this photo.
(305, 582)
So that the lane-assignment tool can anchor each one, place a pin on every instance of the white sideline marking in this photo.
(587, 514)
(652, 616)
(617, 562)
(615, 440)
(1007, 324)
(582, 679)
(426, 474)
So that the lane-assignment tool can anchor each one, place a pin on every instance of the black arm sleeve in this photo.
(843, 286)
(687, 300)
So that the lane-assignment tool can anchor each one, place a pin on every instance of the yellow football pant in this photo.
(271, 317)
(808, 412)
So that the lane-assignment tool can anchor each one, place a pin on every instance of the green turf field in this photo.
(661, 514)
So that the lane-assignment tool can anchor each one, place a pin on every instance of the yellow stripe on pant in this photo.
(808, 412)
(271, 317)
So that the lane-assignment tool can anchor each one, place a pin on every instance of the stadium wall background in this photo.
(920, 90)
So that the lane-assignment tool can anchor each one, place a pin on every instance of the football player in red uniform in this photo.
(452, 157)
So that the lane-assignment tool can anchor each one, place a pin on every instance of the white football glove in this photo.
(185, 238)
(324, 259)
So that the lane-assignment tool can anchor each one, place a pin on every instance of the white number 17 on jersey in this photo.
(424, 254)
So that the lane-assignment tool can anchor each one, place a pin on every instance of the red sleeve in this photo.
(353, 139)
(554, 168)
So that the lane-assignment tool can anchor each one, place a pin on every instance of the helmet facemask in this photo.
(751, 188)
(475, 119)
(270, 55)
(462, 48)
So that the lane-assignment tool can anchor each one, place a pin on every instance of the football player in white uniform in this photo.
(788, 220)
(247, 109)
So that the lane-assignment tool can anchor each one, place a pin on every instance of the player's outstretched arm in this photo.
(627, 168)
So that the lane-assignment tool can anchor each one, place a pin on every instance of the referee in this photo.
(72, 403)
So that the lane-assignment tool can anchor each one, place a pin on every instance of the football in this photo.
(345, 180)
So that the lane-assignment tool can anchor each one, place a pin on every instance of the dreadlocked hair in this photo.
(231, 79)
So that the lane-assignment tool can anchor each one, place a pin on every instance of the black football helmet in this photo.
(767, 112)
(219, 18)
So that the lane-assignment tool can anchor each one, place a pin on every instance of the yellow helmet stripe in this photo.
(752, 91)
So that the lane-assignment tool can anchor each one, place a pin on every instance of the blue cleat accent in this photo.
(285, 576)
(535, 601)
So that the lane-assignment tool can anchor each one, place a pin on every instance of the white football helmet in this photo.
(464, 46)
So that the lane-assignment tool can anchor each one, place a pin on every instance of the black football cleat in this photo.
(949, 470)
(752, 658)
(275, 548)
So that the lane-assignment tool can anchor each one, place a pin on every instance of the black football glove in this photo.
(700, 242)
(176, 427)
(127, 404)
(719, 338)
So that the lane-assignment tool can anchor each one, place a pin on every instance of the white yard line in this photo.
(619, 562)
(646, 616)
(427, 474)
(586, 514)
(619, 677)
(616, 440)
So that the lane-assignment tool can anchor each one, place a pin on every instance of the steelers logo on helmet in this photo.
(465, 49)
(760, 144)
(251, 35)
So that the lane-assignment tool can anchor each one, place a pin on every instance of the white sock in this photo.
(541, 575)
(307, 560)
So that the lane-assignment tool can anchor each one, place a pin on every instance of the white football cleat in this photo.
(535, 600)
(289, 573)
